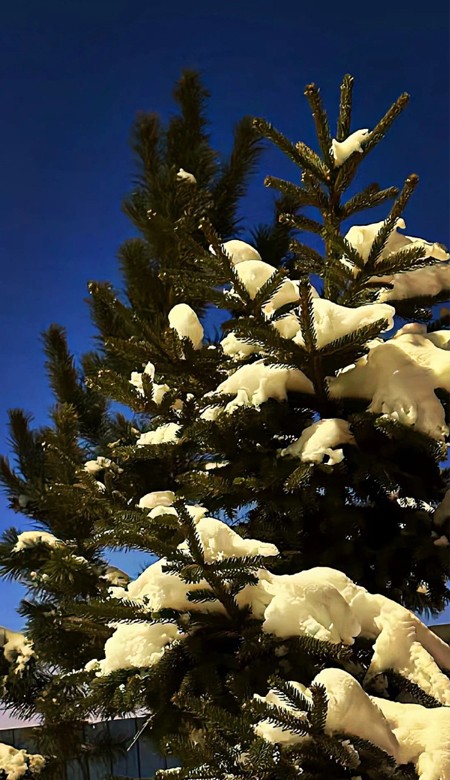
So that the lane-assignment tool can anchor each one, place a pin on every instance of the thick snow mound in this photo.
(254, 384)
(361, 237)
(32, 538)
(429, 280)
(399, 377)
(164, 434)
(320, 602)
(183, 319)
(321, 440)
(238, 251)
(408, 732)
(423, 735)
(137, 644)
(16, 763)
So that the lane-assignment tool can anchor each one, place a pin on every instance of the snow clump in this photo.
(238, 251)
(99, 464)
(321, 440)
(164, 434)
(254, 384)
(159, 391)
(341, 150)
(183, 175)
(399, 377)
(17, 763)
(17, 649)
(29, 539)
(428, 280)
(407, 732)
(183, 319)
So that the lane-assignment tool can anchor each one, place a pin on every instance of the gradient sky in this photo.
(73, 76)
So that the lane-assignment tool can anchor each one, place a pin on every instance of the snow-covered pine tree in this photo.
(285, 474)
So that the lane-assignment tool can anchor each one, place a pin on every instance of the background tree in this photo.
(317, 438)
(45, 482)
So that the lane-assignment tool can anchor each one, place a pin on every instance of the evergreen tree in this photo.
(285, 473)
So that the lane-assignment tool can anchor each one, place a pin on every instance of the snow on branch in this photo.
(29, 539)
(321, 440)
(183, 319)
(418, 282)
(399, 377)
(341, 150)
(16, 763)
(321, 602)
(17, 649)
(410, 733)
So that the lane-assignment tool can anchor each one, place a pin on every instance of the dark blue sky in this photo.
(74, 74)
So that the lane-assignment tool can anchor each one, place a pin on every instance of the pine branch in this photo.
(370, 197)
(344, 351)
(146, 142)
(306, 260)
(26, 444)
(290, 694)
(318, 711)
(108, 314)
(321, 121)
(306, 317)
(408, 259)
(299, 478)
(300, 222)
(187, 143)
(345, 108)
(267, 130)
(229, 269)
(316, 191)
(347, 171)
(234, 175)
(281, 717)
(311, 162)
(67, 385)
(386, 122)
(196, 549)
(347, 249)
(60, 364)
(390, 222)
(141, 279)
(302, 196)
(10, 480)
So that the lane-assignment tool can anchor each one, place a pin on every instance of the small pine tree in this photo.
(311, 429)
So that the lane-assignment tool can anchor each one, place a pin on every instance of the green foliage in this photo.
(68, 386)
(370, 515)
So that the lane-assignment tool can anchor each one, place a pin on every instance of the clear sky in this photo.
(74, 74)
